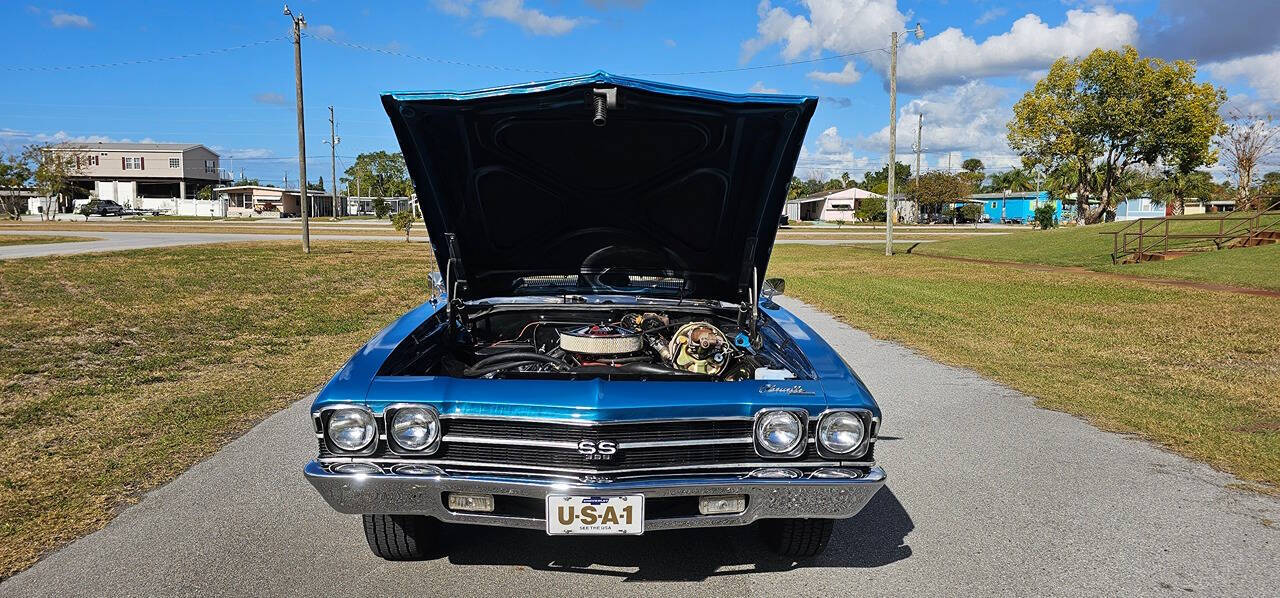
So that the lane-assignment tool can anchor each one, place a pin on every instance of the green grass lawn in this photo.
(1086, 247)
(40, 239)
(119, 371)
(1193, 370)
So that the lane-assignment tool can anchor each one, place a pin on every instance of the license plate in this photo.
(595, 515)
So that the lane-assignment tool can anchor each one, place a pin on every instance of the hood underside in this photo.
(599, 183)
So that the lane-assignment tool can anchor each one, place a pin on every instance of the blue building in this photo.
(1019, 207)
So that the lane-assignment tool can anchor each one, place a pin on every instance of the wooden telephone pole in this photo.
(299, 22)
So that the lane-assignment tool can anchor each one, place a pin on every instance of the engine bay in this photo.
(581, 342)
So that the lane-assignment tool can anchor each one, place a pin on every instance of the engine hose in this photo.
(477, 372)
(649, 368)
(520, 355)
(622, 360)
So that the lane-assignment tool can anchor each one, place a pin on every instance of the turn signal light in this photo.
(479, 503)
(722, 504)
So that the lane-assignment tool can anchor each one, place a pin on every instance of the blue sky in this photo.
(976, 60)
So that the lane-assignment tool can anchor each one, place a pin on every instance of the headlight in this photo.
(779, 432)
(352, 429)
(414, 428)
(841, 432)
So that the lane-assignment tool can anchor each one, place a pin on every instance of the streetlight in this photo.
(890, 208)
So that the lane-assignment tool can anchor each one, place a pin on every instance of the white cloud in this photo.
(66, 19)
(1261, 72)
(944, 58)
(951, 57)
(967, 120)
(990, 15)
(271, 98)
(457, 8)
(832, 156)
(531, 20)
(670, 43)
(759, 87)
(322, 30)
(846, 76)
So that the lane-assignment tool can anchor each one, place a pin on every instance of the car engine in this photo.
(626, 344)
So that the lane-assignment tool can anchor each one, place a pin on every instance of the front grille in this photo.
(515, 444)
(622, 432)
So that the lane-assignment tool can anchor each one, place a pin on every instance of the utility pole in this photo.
(333, 164)
(918, 148)
(889, 203)
(299, 22)
(890, 208)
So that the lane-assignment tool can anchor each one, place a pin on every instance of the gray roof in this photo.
(131, 147)
(1013, 195)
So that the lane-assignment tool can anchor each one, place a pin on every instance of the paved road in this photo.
(120, 241)
(987, 495)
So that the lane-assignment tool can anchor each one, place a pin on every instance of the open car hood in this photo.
(524, 191)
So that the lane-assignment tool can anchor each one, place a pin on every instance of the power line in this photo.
(433, 59)
(75, 67)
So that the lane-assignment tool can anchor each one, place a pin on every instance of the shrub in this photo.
(1046, 216)
(403, 220)
(970, 212)
(380, 208)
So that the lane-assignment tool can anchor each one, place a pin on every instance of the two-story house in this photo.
(139, 174)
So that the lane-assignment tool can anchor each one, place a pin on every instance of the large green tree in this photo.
(901, 175)
(931, 190)
(1102, 114)
(378, 174)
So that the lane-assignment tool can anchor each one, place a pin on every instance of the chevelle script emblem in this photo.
(784, 390)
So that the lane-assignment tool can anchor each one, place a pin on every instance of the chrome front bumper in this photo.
(401, 494)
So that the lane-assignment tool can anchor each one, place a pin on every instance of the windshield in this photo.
(603, 281)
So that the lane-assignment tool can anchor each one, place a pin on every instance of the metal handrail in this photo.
(1250, 225)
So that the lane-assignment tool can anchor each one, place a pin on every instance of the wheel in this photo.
(797, 537)
(402, 537)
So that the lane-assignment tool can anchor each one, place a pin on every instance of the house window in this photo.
(91, 160)
(993, 204)
(210, 166)
(133, 163)
(174, 163)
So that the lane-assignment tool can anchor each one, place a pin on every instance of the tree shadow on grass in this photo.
(874, 538)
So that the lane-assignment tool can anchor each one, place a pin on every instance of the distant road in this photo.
(120, 241)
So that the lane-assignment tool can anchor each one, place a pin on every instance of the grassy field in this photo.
(119, 371)
(40, 239)
(1195, 371)
(1087, 247)
(226, 226)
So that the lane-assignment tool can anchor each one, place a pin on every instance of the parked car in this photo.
(600, 356)
(784, 220)
(102, 207)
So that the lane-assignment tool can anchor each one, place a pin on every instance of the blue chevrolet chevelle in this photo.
(600, 352)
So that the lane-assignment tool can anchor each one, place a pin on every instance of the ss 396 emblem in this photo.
(597, 450)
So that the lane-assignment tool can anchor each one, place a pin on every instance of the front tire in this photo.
(799, 538)
(402, 537)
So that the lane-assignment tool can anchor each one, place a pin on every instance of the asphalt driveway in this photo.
(987, 495)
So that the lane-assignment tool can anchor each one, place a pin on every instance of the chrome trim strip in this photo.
(695, 442)
(511, 442)
(588, 423)
(438, 462)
